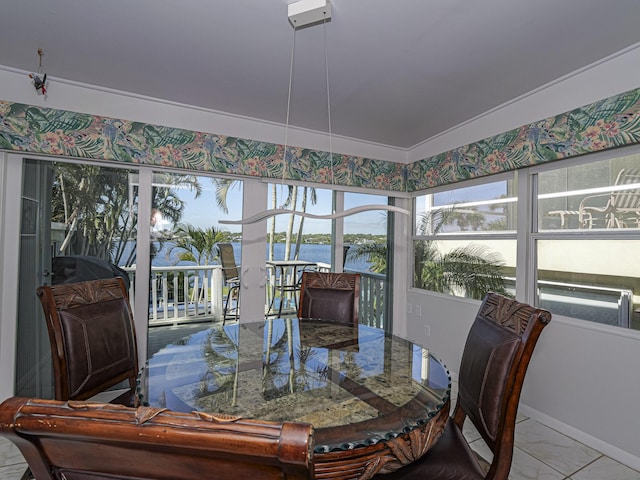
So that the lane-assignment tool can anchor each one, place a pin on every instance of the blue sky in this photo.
(203, 211)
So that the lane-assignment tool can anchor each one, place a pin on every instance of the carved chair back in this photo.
(495, 358)
(330, 296)
(92, 337)
(84, 440)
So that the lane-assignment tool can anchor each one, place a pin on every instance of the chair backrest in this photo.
(84, 440)
(228, 261)
(330, 296)
(494, 362)
(92, 336)
(627, 199)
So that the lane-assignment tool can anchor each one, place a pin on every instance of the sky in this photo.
(203, 211)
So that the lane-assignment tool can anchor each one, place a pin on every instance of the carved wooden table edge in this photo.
(363, 463)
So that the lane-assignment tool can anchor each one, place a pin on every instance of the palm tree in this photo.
(223, 186)
(197, 245)
(374, 253)
(472, 270)
(95, 205)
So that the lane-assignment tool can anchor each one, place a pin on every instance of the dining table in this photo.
(376, 401)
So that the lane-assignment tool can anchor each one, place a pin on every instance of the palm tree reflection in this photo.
(218, 387)
(287, 366)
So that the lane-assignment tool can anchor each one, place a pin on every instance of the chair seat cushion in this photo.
(450, 458)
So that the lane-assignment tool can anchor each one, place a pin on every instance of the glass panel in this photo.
(479, 208)
(463, 268)
(187, 282)
(594, 280)
(290, 369)
(77, 220)
(295, 238)
(601, 195)
(365, 235)
(470, 262)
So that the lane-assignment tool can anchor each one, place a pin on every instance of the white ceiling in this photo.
(400, 71)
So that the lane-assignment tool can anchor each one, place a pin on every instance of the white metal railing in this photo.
(183, 293)
(373, 300)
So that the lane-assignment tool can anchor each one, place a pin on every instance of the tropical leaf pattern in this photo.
(609, 123)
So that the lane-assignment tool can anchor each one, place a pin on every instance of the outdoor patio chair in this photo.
(231, 275)
(92, 337)
(84, 440)
(617, 209)
(330, 296)
(494, 362)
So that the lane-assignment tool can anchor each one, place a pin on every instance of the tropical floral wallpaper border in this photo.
(609, 123)
(59, 132)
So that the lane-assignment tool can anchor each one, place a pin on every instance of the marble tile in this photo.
(523, 466)
(469, 431)
(12, 472)
(606, 468)
(9, 453)
(553, 448)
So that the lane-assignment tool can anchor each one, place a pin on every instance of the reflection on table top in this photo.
(356, 385)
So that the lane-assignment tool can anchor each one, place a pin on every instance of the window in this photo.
(587, 241)
(464, 242)
(582, 236)
(365, 235)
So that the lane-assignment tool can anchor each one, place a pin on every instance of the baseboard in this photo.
(607, 449)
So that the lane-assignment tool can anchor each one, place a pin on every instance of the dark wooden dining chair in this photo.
(231, 275)
(92, 337)
(83, 440)
(494, 362)
(330, 296)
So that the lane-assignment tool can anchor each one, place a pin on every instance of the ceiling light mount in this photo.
(309, 12)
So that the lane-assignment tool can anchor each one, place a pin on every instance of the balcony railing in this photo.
(373, 300)
(183, 294)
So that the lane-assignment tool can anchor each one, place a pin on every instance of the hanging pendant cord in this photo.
(326, 69)
(286, 128)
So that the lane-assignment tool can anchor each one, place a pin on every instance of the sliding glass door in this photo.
(78, 221)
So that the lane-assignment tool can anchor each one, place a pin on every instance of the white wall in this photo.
(10, 185)
(582, 380)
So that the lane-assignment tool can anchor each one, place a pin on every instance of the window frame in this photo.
(466, 235)
(527, 234)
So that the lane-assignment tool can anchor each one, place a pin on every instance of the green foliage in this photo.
(196, 244)
(471, 271)
(375, 253)
(98, 209)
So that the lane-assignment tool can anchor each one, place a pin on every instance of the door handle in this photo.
(263, 272)
(245, 285)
